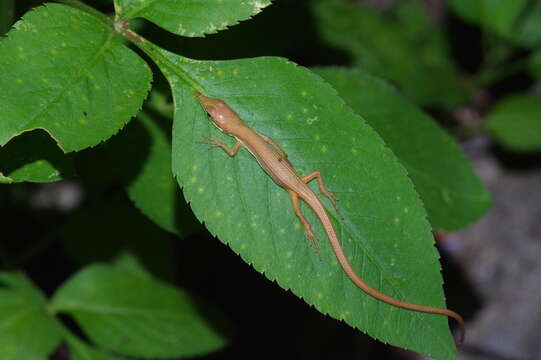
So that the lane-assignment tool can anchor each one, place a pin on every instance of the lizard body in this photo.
(274, 162)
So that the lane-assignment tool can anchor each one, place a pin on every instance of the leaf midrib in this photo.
(83, 71)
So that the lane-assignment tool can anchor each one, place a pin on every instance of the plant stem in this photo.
(153, 51)
(121, 27)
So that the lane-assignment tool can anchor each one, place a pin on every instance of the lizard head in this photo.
(221, 115)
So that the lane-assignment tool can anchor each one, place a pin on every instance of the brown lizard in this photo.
(274, 162)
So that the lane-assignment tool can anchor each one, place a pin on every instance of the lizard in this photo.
(274, 161)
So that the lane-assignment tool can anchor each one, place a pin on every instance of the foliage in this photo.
(73, 78)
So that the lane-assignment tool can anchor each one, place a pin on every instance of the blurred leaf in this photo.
(141, 156)
(535, 64)
(126, 261)
(496, 15)
(34, 157)
(191, 18)
(128, 314)
(81, 351)
(528, 30)
(64, 71)
(27, 330)
(121, 228)
(409, 50)
(443, 177)
(384, 230)
(515, 123)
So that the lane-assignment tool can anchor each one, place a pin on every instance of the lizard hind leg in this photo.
(307, 227)
(317, 175)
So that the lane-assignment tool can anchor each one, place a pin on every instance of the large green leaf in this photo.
(146, 171)
(443, 177)
(515, 123)
(497, 15)
(409, 49)
(64, 71)
(384, 230)
(136, 316)
(34, 157)
(191, 18)
(27, 331)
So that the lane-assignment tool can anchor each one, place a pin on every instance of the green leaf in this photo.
(34, 157)
(64, 71)
(384, 230)
(128, 262)
(528, 30)
(13, 349)
(81, 351)
(496, 15)
(128, 314)
(19, 283)
(535, 64)
(443, 177)
(515, 123)
(121, 228)
(146, 171)
(191, 18)
(409, 49)
(27, 330)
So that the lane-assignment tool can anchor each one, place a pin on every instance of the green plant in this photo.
(71, 78)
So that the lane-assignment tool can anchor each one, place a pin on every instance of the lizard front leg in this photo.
(213, 142)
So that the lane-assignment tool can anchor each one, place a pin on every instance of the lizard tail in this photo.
(321, 213)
